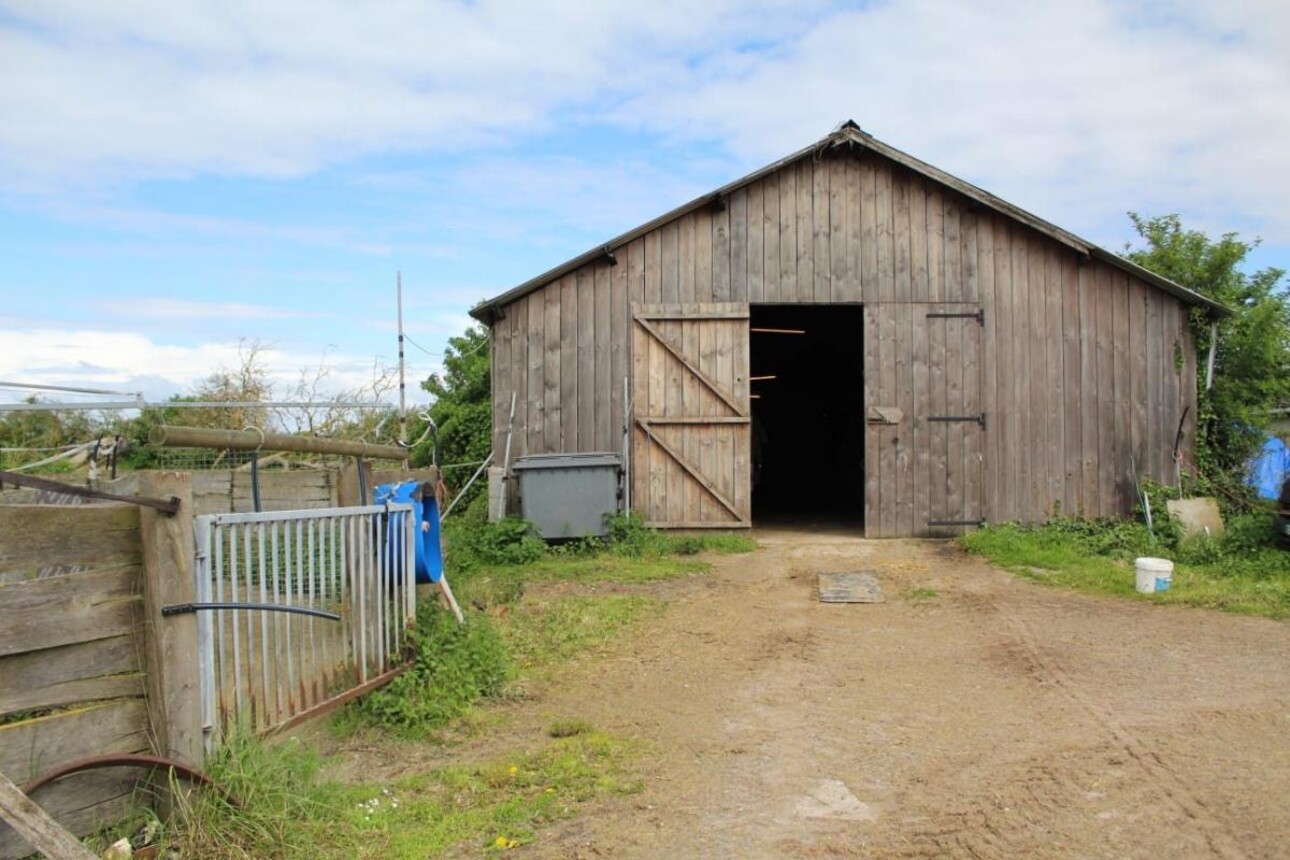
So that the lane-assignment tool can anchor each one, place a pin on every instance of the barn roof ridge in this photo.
(849, 133)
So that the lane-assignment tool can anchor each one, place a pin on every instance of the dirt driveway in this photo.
(996, 718)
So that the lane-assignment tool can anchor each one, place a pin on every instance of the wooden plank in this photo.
(738, 246)
(902, 241)
(670, 331)
(887, 351)
(654, 267)
(837, 238)
(885, 271)
(954, 287)
(851, 290)
(955, 434)
(703, 289)
(970, 240)
(604, 391)
(723, 474)
(1073, 496)
(805, 232)
(619, 351)
(34, 544)
(905, 318)
(693, 312)
(518, 314)
(691, 411)
(82, 803)
(669, 263)
(1002, 337)
(37, 827)
(788, 234)
(974, 436)
(707, 406)
(170, 644)
(1106, 393)
(772, 288)
(537, 352)
(920, 427)
(581, 423)
(741, 433)
(63, 610)
(571, 359)
(552, 408)
(936, 244)
(1086, 287)
(756, 244)
(821, 230)
(685, 261)
(721, 288)
(920, 288)
(1158, 369)
(655, 403)
(868, 249)
(502, 387)
(938, 359)
(991, 461)
(66, 675)
(1139, 371)
(1027, 508)
(872, 432)
(31, 747)
(1055, 389)
(1122, 358)
(640, 406)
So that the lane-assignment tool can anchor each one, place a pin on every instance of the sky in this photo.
(181, 179)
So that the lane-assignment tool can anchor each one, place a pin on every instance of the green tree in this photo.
(462, 407)
(1252, 361)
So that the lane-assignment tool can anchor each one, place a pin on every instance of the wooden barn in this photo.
(852, 334)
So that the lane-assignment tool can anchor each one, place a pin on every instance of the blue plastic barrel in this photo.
(425, 511)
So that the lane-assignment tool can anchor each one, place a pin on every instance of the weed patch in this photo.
(540, 634)
(1241, 572)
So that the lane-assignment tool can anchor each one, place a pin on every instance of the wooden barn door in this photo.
(691, 442)
(924, 456)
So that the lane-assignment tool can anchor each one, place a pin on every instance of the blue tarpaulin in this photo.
(1268, 470)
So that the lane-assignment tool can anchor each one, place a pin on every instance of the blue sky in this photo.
(179, 177)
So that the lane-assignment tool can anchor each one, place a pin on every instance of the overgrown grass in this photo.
(286, 812)
(506, 636)
(1242, 572)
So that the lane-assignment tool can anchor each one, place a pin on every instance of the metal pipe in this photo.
(185, 608)
(462, 492)
(403, 388)
(165, 435)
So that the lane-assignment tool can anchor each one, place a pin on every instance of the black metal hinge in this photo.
(978, 315)
(944, 523)
(976, 419)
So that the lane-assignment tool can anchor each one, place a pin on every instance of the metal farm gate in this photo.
(299, 610)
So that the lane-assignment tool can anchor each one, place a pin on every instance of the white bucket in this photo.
(1153, 574)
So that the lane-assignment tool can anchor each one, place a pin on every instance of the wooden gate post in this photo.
(170, 644)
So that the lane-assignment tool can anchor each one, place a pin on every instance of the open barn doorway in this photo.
(807, 383)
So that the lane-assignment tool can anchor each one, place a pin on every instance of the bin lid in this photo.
(567, 461)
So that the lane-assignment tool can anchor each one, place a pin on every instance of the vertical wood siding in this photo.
(1082, 370)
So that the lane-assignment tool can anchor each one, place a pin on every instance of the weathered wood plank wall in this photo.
(1084, 370)
(70, 580)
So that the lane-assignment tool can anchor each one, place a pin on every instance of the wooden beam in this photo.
(36, 826)
(170, 646)
(692, 367)
(256, 440)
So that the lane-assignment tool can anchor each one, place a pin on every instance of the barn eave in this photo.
(850, 136)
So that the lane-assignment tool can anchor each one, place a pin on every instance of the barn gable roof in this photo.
(849, 135)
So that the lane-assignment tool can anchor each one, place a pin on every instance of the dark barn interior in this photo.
(807, 384)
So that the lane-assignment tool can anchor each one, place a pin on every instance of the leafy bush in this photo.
(455, 665)
(472, 543)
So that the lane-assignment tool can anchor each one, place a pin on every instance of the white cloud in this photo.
(134, 362)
